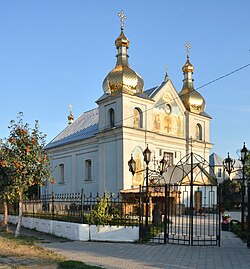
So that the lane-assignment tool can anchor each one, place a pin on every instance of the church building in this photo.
(93, 151)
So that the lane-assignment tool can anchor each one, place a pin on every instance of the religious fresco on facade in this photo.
(138, 177)
(167, 116)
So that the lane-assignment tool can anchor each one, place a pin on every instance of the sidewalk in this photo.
(233, 253)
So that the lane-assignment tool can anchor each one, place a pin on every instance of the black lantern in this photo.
(229, 164)
(243, 153)
(147, 155)
(163, 165)
(132, 165)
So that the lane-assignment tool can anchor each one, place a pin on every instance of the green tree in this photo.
(24, 156)
(247, 166)
(6, 191)
(231, 193)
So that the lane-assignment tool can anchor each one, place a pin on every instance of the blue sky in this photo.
(53, 53)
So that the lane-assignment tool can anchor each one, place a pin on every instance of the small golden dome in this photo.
(122, 40)
(70, 117)
(188, 67)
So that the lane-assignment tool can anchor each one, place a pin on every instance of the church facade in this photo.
(93, 151)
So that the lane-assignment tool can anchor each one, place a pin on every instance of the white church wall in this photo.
(104, 118)
(105, 105)
(129, 103)
(204, 122)
(63, 183)
(158, 144)
(101, 167)
(82, 177)
(198, 146)
(73, 158)
(133, 143)
(110, 155)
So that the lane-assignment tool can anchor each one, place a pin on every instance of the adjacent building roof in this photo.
(85, 126)
(215, 160)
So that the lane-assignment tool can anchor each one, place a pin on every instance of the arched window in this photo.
(219, 172)
(198, 132)
(111, 118)
(61, 173)
(88, 170)
(138, 122)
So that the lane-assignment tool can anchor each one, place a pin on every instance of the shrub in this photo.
(99, 214)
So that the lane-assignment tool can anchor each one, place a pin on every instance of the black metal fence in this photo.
(79, 208)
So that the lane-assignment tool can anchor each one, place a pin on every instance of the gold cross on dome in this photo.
(188, 47)
(123, 18)
(70, 108)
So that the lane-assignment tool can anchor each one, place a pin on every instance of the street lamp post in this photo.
(229, 164)
(147, 155)
(243, 155)
(132, 169)
(244, 152)
(248, 213)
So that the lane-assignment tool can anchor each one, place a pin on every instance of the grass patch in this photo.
(75, 265)
(20, 240)
(25, 248)
(28, 248)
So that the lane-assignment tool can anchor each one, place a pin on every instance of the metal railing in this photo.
(79, 208)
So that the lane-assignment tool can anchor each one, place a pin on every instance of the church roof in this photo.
(85, 126)
(153, 91)
(149, 92)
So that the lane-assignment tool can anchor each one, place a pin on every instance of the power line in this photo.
(219, 78)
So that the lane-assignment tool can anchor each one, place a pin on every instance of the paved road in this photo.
(233, 253)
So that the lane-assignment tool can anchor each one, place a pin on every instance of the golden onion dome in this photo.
(122, 40)
(122, 78)
(188, 67)
(192, 100)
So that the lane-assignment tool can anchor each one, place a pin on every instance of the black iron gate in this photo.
(185, 210)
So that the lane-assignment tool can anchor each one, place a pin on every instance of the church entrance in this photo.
(184, 210)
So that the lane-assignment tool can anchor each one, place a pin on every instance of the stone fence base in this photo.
(81, 232)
